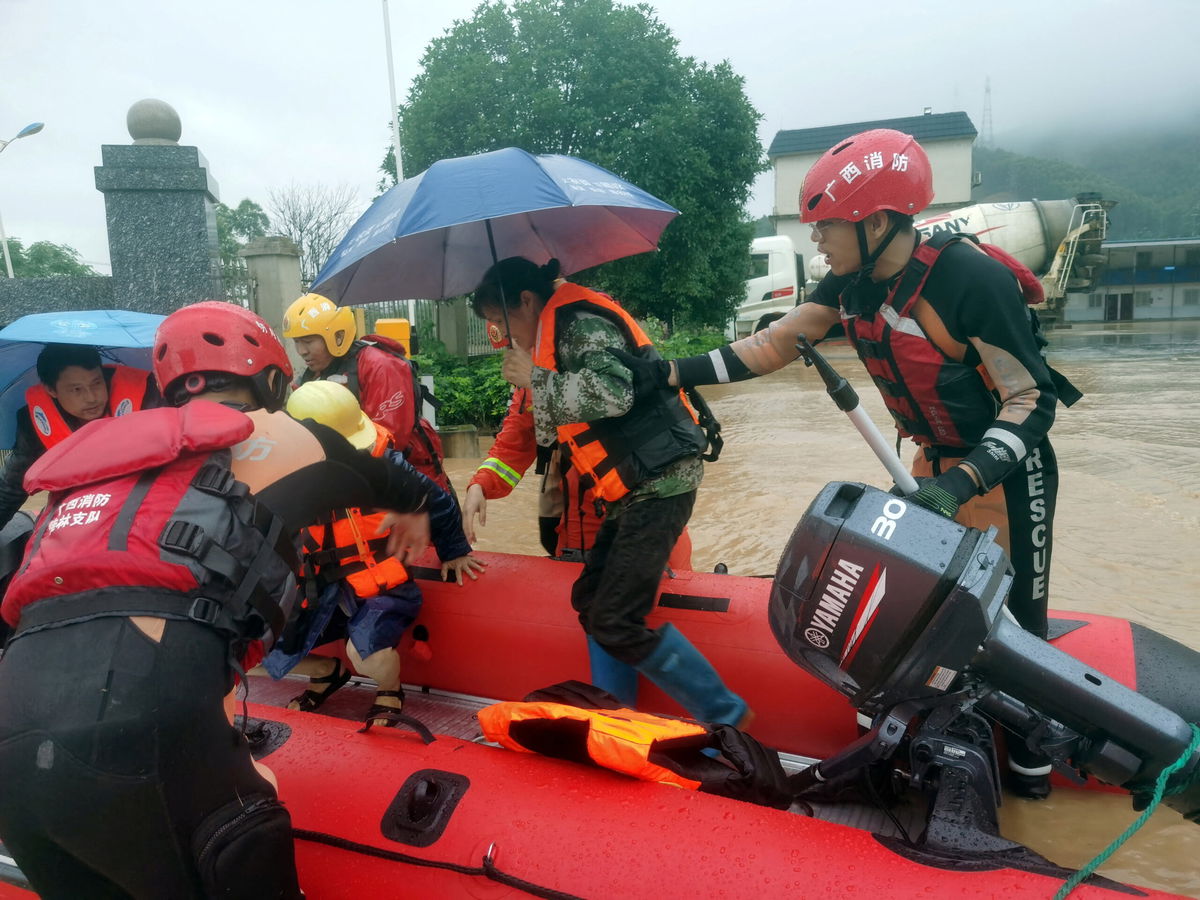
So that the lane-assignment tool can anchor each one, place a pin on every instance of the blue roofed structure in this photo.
(932, 127)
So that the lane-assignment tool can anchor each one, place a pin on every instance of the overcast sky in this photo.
(279, 91)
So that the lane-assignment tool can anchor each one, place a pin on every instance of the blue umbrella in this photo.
(434, 235)
(121, 336)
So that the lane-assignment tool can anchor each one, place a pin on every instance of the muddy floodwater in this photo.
(1127, 531)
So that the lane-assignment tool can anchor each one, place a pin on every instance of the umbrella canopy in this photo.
(434, 235)
(121, 336)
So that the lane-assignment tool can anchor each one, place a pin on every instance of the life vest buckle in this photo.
(214, 479)
(184, 537)
(204, 610)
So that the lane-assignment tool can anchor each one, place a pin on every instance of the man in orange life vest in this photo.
(946, 335)
(375, 370)
(73, 388)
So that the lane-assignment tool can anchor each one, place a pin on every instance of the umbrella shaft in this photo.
(487, 223)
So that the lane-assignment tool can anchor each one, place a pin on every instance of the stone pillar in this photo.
(452, 323)
(159, 200)
(274, 267)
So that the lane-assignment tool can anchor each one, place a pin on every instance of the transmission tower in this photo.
(985, 126)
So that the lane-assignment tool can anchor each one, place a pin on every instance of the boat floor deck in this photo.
(449, 714)
(454, 715)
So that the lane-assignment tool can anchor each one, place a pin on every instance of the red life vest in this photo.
(140, 515)
(126, 390)
(349, 547)
(423, 446)
(619, 453)
(932, 398)
(618, 739)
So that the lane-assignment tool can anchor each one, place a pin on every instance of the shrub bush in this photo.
(471, 391)
(682, 341)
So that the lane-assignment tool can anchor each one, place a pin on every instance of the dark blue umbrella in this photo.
(434, 235)
(121, 336)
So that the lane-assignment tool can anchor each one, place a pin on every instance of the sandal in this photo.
(310, 700)
(380, 710)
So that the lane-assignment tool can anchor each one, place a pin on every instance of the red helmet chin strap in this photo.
(867, 269)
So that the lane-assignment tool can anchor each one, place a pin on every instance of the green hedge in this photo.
(472, 392)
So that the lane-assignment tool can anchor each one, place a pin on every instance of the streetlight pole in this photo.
(387, 38)
(32, 128)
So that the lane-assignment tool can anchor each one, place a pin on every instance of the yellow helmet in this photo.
(314, 314)
(332, 404)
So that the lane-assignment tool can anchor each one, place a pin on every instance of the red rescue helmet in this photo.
(215, 337)
(867, 172)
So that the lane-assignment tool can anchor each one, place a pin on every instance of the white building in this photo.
(946, 137)
(1147, 279)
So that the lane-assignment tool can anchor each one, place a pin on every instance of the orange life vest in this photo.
(126, 390)
(350, 549)
(619, 453)
(618, 739)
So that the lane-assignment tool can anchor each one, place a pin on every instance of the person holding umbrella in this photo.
(638, 449)
(436, 234)
(73, 388)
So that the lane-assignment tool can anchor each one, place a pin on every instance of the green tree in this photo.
(237, 225)
(603, 81)
(43, 259)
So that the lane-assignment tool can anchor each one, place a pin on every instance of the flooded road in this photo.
(1127, 525)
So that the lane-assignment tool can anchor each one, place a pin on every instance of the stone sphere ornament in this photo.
(153, 122)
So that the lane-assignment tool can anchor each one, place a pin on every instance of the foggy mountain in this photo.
(1154, 175)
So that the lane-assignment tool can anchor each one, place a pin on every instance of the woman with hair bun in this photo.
(638, 446)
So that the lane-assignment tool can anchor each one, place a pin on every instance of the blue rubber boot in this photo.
(683, 673)
(612, 675)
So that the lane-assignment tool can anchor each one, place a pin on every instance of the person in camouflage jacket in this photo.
(639, 450)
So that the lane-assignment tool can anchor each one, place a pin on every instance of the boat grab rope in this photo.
(487, 870)
(1160, 791)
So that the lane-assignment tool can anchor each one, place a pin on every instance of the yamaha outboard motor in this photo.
(903, 611)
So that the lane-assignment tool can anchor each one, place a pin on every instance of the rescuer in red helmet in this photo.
(168, 545)
(944, 331)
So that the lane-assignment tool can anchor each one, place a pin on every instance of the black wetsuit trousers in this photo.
(620, 578)
(1022, 509)
(121, 775)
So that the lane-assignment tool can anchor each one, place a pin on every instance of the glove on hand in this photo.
(945, 493)
(649, 375)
